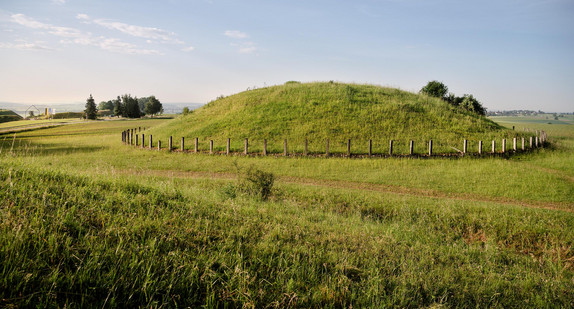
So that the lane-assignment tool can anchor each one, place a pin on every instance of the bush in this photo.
(254, 182)
(471, 104)
(261, 182)
(435, 89)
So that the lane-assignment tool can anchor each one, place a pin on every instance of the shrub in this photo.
(261, 182)
(471, 104)
(435, 89)
(253, 182)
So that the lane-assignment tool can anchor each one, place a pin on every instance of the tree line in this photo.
(468, 102)
(125, 106)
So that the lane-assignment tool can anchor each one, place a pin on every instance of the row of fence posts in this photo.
(131, 137)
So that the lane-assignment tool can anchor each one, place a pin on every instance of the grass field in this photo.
(89, 222)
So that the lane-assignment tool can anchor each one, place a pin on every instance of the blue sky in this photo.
(509, 54)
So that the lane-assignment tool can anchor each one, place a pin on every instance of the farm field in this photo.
(87, 221)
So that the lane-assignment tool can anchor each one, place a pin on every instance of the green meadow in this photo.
(87, 221)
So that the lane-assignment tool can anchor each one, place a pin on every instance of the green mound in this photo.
(334, 111)
(8, 115)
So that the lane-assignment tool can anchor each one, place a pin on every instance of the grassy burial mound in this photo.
(335, 111)
(8, 115)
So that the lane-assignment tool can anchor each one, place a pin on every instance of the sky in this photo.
(509, 54)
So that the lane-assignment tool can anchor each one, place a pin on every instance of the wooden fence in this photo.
(132, 137)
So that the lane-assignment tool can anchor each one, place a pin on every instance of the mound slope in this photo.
(337, 111)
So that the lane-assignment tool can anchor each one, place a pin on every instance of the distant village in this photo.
(526, 113)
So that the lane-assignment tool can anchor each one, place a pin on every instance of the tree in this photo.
(473, 105)
(153, 106)
(118, 107)
(106, 105)
(186, 110)
(141, 102)
(91, 110)
(435, 89)
(131, 106)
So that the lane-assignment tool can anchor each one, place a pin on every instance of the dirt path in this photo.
(348, 185)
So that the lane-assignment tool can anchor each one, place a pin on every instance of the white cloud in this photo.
(246, 48)
(59, 2)
(29, 22)
(188, 49)
(76, 36)
(243, 47)
(83, 16)
(25, 46)
(112, 44)
(235, 34)
(55, 30)
(149, 33)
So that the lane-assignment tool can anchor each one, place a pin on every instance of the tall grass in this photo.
(88, 222)
(77, 242)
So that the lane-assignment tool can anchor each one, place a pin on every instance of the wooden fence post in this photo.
(182, 144)
(479, 147)
(306, 145)
(536, 141)
(143, 140)
(493, 146)
(285, 147)
(170, 144)
(327, 153)
(150, 141)
(390, 147)
(370, 148)
(464, 146)
(132, 137)
(159, 145)
(196, 148)
(265, 147)
(228, 146)
(349, 148)
(210, 146)
(523, 144)
(430, 147)
(503, 145)
(411, 147)
(514, 144)
(246, 146)
(137, 140)
(531, 142)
